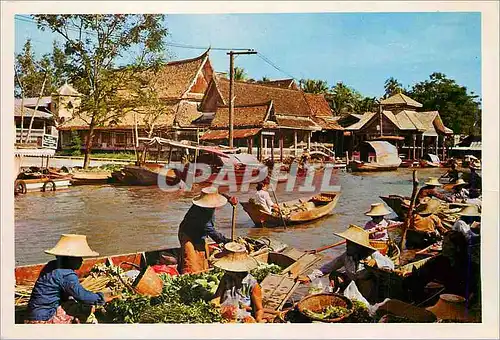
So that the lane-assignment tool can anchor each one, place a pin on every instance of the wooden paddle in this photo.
(279, 209)
(409, 221)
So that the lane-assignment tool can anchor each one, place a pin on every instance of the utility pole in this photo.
(231, 90)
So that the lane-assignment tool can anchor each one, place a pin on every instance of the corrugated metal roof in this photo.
(364, 119)
(224, 134)
(387, 154)
(400, 99)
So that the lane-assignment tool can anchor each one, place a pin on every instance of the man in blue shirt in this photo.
(197, 225)
(58, 282)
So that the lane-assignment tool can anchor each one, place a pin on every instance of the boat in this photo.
(399, 204)
(91, 178)
(35, 179)
(194, 158)
(264, 250)
(385, 158)
(430, 161)
(294, 212)
(409, 163)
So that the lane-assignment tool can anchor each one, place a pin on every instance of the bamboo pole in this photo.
(409, 221)
(36, 108)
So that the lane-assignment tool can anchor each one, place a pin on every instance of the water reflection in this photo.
(121, 219)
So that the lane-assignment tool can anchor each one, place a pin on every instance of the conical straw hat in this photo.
(72, 245)
(459, 182)
(235, 259)
(429, 207)
(450, 307)
(433, 181)
(470, 210)
(210, 198)
(377, 209)
(357, 235)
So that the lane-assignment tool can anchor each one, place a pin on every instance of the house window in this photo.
(120, 138)
(106, 138)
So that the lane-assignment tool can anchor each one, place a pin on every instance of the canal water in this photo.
(125, 219)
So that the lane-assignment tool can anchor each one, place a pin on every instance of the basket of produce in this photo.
(325, 307)
(321, 199)
(381, 246)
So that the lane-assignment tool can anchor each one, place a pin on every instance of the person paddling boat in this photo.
(197, 225)
(377, 226)
(58, 282)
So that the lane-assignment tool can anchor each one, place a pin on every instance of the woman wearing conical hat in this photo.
(377, 226)
(197, 225)
(430, 190)
(469, 222)
(358, 250)
(459, 192)
(238, 289)
(427, 227)
(58, 281)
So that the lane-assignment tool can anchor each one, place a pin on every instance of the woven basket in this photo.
(148, 283)
(381, 246)
(318, 302)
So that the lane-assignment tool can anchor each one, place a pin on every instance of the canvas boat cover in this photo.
(387, 154)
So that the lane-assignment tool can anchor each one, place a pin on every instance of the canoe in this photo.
(359, 166)
(90, 178)
(428, 164)
(296, 211)
(144, 175)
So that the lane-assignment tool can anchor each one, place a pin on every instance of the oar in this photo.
(279, 209)
(392, 226)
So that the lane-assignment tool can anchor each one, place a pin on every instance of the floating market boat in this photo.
(293, 212)
(385, 157)
(37, 179)
(430, 161)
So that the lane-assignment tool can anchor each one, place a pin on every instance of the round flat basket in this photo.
(316, 303)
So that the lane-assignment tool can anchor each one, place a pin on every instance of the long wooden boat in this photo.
(144, 175)
(360, 166)
(299, 211)
(399, 204)
(90, 178)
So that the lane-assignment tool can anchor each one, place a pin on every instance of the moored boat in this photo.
(90, 178)
(385, 157)
(293, 212)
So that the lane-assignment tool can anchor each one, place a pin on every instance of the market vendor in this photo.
(58, 282)
(263, 199)
(474, 178)
(427, 227)
(239, 293)
(452, 174)
(469, 222)
(459, 193)
(358, 250)
(197, 225)
(430, 190)
(377, 226)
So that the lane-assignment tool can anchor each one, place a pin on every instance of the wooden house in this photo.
(413, 132)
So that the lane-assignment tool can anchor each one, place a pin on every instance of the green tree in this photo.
(343, 100)
(239, 73)
(314, 86)
(392, 86)
(75, 144)
(265, 78)
(458, 109)
(94, 45)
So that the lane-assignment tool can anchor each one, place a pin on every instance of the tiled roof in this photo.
(327, 123)
(364, 119)
(31, 102)
(286, 102)
(175, 78)
(408, 120)
(29, 112)
(295, 122)
(283, 83)
(318, 104)
(400, 99)
(127, 121)
(244, 116)
(186, 113)
(224, 134)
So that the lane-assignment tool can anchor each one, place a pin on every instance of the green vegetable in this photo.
(265, 269)
(330, 312)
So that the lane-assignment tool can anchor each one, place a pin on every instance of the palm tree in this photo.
(392, 87)
(342, 99)
(239, 73)
(314, 86)
(265, 78)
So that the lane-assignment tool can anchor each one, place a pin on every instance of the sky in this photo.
(361, 50)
